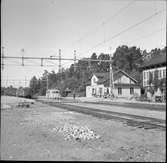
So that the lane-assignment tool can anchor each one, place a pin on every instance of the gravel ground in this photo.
(29, 134)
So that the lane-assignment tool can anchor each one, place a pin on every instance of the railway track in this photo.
(129, 119)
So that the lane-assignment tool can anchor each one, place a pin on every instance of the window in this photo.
(131, 90)
(93, 91)
(153, 73)
(120, 91)
(160, 74)
(55, 91)
(94, 80)
(119, 80)
(100, 91)
(144, 75)
(147, 75)
(164, 73)
(147, 82)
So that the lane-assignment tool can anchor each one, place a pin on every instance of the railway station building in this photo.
(124, 85)
(155, 66)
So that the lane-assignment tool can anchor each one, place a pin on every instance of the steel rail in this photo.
(132, 120)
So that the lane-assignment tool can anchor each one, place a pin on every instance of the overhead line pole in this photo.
(59, 60)
(111, 83)
(47, 82)
(74, 60)
(60, 64)
(41, 62)
(2, 57)
(22, 50)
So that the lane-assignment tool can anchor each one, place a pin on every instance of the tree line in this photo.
(76, 79)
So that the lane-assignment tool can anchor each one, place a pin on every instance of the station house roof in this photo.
(103, 78)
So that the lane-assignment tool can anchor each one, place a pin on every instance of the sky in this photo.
(42, 27)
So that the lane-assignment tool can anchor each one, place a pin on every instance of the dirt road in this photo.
(29, 134)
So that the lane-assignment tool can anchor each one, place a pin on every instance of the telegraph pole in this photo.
(111, 75)
(60, 65)
(74, 60)
(41, 62)
(47, 83)
(24, 87)
(22, 51)
(59, 60)
(89, 64)
(2, 58)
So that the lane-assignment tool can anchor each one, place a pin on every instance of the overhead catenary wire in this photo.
(34, 62)
(52, 63)
(20, 79)
(146, 36)
(12, 61)
(70, 59)
(118, 12)
(28, 65)
(125, 30)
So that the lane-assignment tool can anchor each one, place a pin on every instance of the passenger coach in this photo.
(53, 94)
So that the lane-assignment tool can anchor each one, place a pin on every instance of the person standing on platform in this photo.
(74, 94)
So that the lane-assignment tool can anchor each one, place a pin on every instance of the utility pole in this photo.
(2, 58)
(7, 81)
(111, 75)
(59, 60)
(74, 60)
(89, 64)
(47, 83)
(22, 51)
(24, 87)
(60, 64)
(41, 62)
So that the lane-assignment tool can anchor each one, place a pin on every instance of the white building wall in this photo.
(124, 79)
(137, 91)
(94, 80)
(88, 91)
(125, 91)
(96, 88)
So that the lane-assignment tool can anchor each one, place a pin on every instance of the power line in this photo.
(28, 65)
(70, 59)
(125, 30)
(36, 62)
(14, 79)
(148, 35)
(107, 20)
(13, 61)
(21, 80)
(52, 63)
